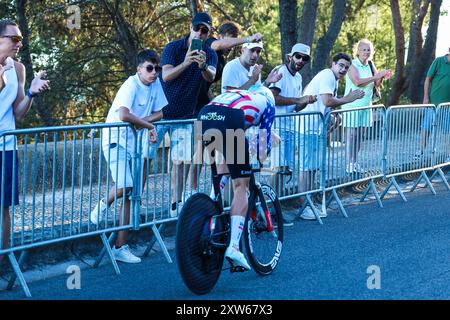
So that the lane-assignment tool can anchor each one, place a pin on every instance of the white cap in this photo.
(300, 48)
(251, 45)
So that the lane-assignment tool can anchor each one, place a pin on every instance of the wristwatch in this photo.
(30, 95)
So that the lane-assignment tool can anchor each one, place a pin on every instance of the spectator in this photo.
(288, 98)
(243, 72)
(14, 104)
(436, 91)
(228, 39)
(360, 76)
(324, 85)
(138, 101)
(183, 72)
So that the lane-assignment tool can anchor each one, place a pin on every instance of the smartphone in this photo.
(197, 44)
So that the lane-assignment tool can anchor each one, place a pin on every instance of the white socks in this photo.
(237, 226)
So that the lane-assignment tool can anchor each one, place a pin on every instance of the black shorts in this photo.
(231, 143)
(6, 181)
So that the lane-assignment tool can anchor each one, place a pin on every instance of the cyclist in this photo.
(226, 117)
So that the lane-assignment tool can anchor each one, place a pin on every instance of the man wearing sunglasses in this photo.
(14, 104)
(183, 70)
(139, 101)
(288, 98)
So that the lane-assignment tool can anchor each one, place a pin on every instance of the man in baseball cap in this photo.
(202, 18)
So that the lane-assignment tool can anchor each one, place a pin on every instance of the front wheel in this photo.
(199, 262)
(263, 238)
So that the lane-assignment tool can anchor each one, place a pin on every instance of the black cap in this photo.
(202, 18)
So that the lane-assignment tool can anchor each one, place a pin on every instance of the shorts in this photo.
(215, 121)
(428, 119)
(6, 181)
(309, 152)
(181, 143)
(120, 165)
(284, 154)
(149, 150)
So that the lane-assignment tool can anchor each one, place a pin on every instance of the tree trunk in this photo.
(305, 33)
(193, 7)
(288, 25)
(25, 57)
(125, 37)
(326, 43)
(398, 85)
(423, 56)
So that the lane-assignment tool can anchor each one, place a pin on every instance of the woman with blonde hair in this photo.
(362, 75)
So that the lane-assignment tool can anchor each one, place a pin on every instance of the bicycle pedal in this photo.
(237, 269)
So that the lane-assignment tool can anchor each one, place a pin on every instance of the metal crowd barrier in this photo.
(352, 154)
(405, 151)
(441, 141)
(61, 178)
(64, 171)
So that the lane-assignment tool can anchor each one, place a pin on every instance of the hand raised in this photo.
(38, 84)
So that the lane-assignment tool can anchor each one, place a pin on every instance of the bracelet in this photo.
(247, 40)
(31, 95)
(205, 68)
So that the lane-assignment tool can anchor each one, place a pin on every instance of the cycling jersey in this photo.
(257, 108)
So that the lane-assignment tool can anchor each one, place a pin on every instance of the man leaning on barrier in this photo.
(14, 104)
(324, 85)
(139, 101)
(288, 98)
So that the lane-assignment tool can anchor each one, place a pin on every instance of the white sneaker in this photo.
(174, 212)
(350, 168)
(308, 214)
(95, 217)
(236, 258)
(124, 254)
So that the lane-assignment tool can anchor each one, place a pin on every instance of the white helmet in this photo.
(266, 92)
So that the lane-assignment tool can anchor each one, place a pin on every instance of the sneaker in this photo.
(99, 208)
(236, 258)
(350, 168)
(174, 211)
(418, 156)
(124, 254)
(357, 168)
(287, 223)
(308, 214)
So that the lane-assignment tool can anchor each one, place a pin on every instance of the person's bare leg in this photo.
(124, 219)
(6, 230)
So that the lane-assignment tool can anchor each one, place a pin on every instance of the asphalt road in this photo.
(401, 251)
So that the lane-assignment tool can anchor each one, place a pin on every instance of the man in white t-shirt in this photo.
(139, 101)
(324, 85)
(288, 98)
(243, 72)
(15, 102)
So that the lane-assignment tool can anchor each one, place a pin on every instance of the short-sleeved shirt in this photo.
(235, 75)
(203, 98)
(142, 100)
(183, 92)
(289, 86)
(439, 73)
(364, 71)
(323, 83)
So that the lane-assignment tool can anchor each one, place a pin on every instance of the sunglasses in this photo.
(301, 56)
(14, 39)
(150, 68)
(203, 30)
